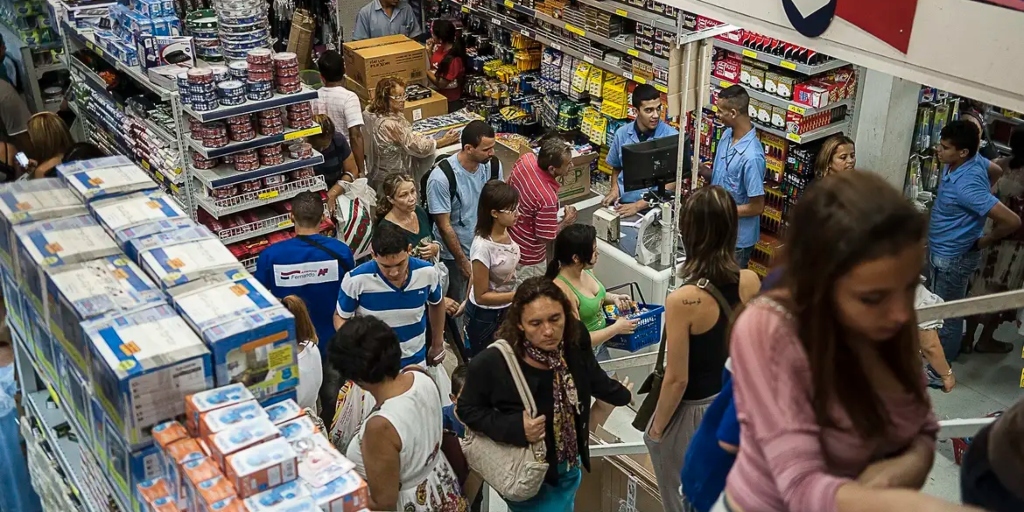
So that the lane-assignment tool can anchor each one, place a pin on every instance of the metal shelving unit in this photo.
(779, 101)
(225, 175)
(86, 39)
(30, 73)
(249, 107)
(803, 138)
(270, 195)
(778, 61)
(254, 229)
(258, 142)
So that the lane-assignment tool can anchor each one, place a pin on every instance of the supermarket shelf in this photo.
(279, 100)
(255, 229)
(615, 45)
(225, 174)
(782, 102)
(813, 135)
(778, 61)
(633, 13)
(136, 74)
(249, 263)
(991, 114)
(46, 68)
(240, 203)
(1002, 148)
(258, 142)
(700, 35)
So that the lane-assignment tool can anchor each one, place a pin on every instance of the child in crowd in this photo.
(311, 372)
(451, 421)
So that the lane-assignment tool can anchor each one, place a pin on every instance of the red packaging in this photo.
(238, 250)
(728, 69)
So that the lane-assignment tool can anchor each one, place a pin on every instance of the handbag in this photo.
(516, 472)
(652, 386)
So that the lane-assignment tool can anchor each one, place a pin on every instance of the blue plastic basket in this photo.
(647, 333)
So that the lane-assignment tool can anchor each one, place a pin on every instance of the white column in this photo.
(884, 130)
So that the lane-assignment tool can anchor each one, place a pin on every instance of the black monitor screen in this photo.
(651, 163)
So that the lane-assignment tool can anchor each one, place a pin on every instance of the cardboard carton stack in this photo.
(368, 61)
(234, 454)
(121, 301)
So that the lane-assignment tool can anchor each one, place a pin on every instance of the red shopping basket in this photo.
(648, 326)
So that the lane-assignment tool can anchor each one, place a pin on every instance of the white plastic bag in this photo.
(443, 381)
(354, 406)
(354, 215)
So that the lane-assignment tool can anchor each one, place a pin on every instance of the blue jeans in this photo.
(948, 278)
(743, 256)
(481, 324)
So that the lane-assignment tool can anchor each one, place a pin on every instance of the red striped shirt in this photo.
(538, 209)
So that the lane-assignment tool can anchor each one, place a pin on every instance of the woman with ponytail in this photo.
(572, 270)
(447, 64)
(310, 365)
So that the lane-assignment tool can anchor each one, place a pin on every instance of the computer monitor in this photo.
(651, 164)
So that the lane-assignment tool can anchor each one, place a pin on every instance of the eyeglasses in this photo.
(397, 98)
(514, 211)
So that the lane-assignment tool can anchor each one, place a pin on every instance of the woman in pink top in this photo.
(833, 410)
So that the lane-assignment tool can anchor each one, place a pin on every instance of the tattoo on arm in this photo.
(688, 302)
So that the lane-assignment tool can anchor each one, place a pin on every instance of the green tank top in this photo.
(591, 308)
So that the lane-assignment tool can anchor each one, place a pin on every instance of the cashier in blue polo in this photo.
(381, 18)
(648, 125)
(739, 167)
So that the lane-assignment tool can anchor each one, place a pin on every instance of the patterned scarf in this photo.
(567, 403)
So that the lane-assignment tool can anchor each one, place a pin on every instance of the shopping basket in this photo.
(648, 326)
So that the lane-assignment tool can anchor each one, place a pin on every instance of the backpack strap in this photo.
(449, 173)
(493, 162)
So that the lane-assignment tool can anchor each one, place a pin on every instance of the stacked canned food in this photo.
(241, 128)
(270, 122)
(286, 67)
(202, 25)
(300, 150)
(260, 74)
(246, 160)
(200, 89)
(300, 115)
(243, 26)
(271, 155)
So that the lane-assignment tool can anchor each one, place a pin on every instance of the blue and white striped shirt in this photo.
(365, 291)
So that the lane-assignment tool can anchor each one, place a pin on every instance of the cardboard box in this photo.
(129, 466)
(197, 471)
(576, 184)
(203, 402)
(349, 493)
(279, 497)
(173, 457)
(214, 490)
(251, 335)
(319, 462)
(225, 418)
(369, 60)
(300, 39)
(28, 201)
(262, 467)
(435, 105)
(112, 285)
(124, 212)
(138, 239)
(283, 411)
(179, 257)
(144, 364)
(104, 177)
(298, 429)
(615, 480)
(240, 436)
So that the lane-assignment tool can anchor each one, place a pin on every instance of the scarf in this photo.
(566, 403)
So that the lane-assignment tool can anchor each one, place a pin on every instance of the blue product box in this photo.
(75, 387)
(112, 285)
(138, 24)
(272, 400)
(149, 8)
(105, 177)
(97, 422)
(144, 364)
(132, 239)
(56, 243)
(119, 213)
(179, 257)
(27, 201)
(14, 303)
(47, 350)
(284, 495)
(251, 335)
(128, 467)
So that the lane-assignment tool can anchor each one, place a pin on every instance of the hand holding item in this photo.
(534, 427)
(570, 216)
(624, 325)
(436, 355)
(613, 195)
(628, 210)
(428, 251)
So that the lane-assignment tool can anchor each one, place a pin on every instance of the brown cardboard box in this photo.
(300, 39)
(435, 105)
(576, 184)
(617, 480)
(364, 95)
(369, 60)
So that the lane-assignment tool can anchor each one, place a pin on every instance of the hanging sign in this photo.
(889, 20)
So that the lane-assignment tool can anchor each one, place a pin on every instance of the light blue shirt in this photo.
(962, 203)
(372, 22)
(463, 207)
(740, 169)
(626, 135)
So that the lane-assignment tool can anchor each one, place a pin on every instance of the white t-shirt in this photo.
(311, 375)
(342, 106)
(501, 260)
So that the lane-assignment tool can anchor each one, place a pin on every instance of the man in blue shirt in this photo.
(739, 167)
(399, 290)
(955, 234)
(310, 265)
(381, 18)
(648, 125)
(455, 215)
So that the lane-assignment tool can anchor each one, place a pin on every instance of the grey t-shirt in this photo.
(13, 111)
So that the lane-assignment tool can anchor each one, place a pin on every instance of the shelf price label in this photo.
(628, 75)
(509, 4)
(284, 224)
(526, 33)
(556, 46)
(639, 79)
(725, 83)
(269, 194)
(788, 65)
(575, 30)
(465, 9)
(793, 137)
(53, 394)
(144, 163)
(589, 59)
(302, 133)
(496, 21)
(749, 53)
(795, 109)
(633, 51)
(662, 88)
(621, 12)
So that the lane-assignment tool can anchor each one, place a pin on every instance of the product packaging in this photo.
(105, 177)
(214, 491)
(347, 493)
(135, 239)
(278, 497)
(174, 456)
(28, 201)
(370, 60)
(297, 429)
(228, 417)
(151, 490)
(232, 504)
(165, 50)
(198, 404)
(195, 472)
(128, 466)
(144, 364)
(240, 436)
(183, 256)
(284, 411)
(262, 467)
(319, 461)
(128, 211)
(251, 335)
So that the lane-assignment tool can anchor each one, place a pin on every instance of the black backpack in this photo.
(441, 162)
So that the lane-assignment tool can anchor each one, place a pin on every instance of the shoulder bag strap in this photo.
(517, 376)
(309, 240)
(705, 285)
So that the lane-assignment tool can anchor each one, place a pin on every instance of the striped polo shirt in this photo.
(365, 291)
(538, 209)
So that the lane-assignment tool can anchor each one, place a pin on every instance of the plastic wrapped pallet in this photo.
(27, 201)
(178, 257)
(105, 177)
(125, 212)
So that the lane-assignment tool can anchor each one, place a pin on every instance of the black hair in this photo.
(476, 131)
(962, 135)
(459, 378)
(366, 350)
(735, 96)
(308, 209)
(331, 66)
(445, 32)
(388, 240)
(1017, 149)
(533, 289)
(575, 241)
(83, 151)
(495, 196)
(554, 152)
(644, 92)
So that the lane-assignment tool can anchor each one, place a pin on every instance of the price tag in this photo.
(795, 109)
(496, 21)
(588, 58)
(793, 137)
(175, 188)
(160, 177)
(556, 46)
(53, 394)
(714, 108)
(788, 65)
(284, 224)
(302, 133)
(662, 88)
(749, 53)
(633, 51)
(145, 164)
(621, 12)
(270, 194)
(465, 9)
(526, 33)
(575, 30)
(725, 83)
(639, 80)
(509, 4)
(628, 75)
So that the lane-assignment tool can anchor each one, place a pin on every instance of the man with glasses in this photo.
(648, 125)
(535, 177)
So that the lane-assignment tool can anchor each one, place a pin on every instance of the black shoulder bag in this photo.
(652, 386)
(341, 261)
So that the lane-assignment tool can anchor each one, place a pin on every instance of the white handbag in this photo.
(515, 472)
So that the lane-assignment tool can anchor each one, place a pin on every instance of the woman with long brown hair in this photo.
(843, 313)
(837, 154)
(50, 138)
(394, 143)
(311, 371)
(695, 328)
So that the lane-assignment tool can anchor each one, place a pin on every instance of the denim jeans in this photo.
(948, 278)
(743, 256)
(481, 324)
